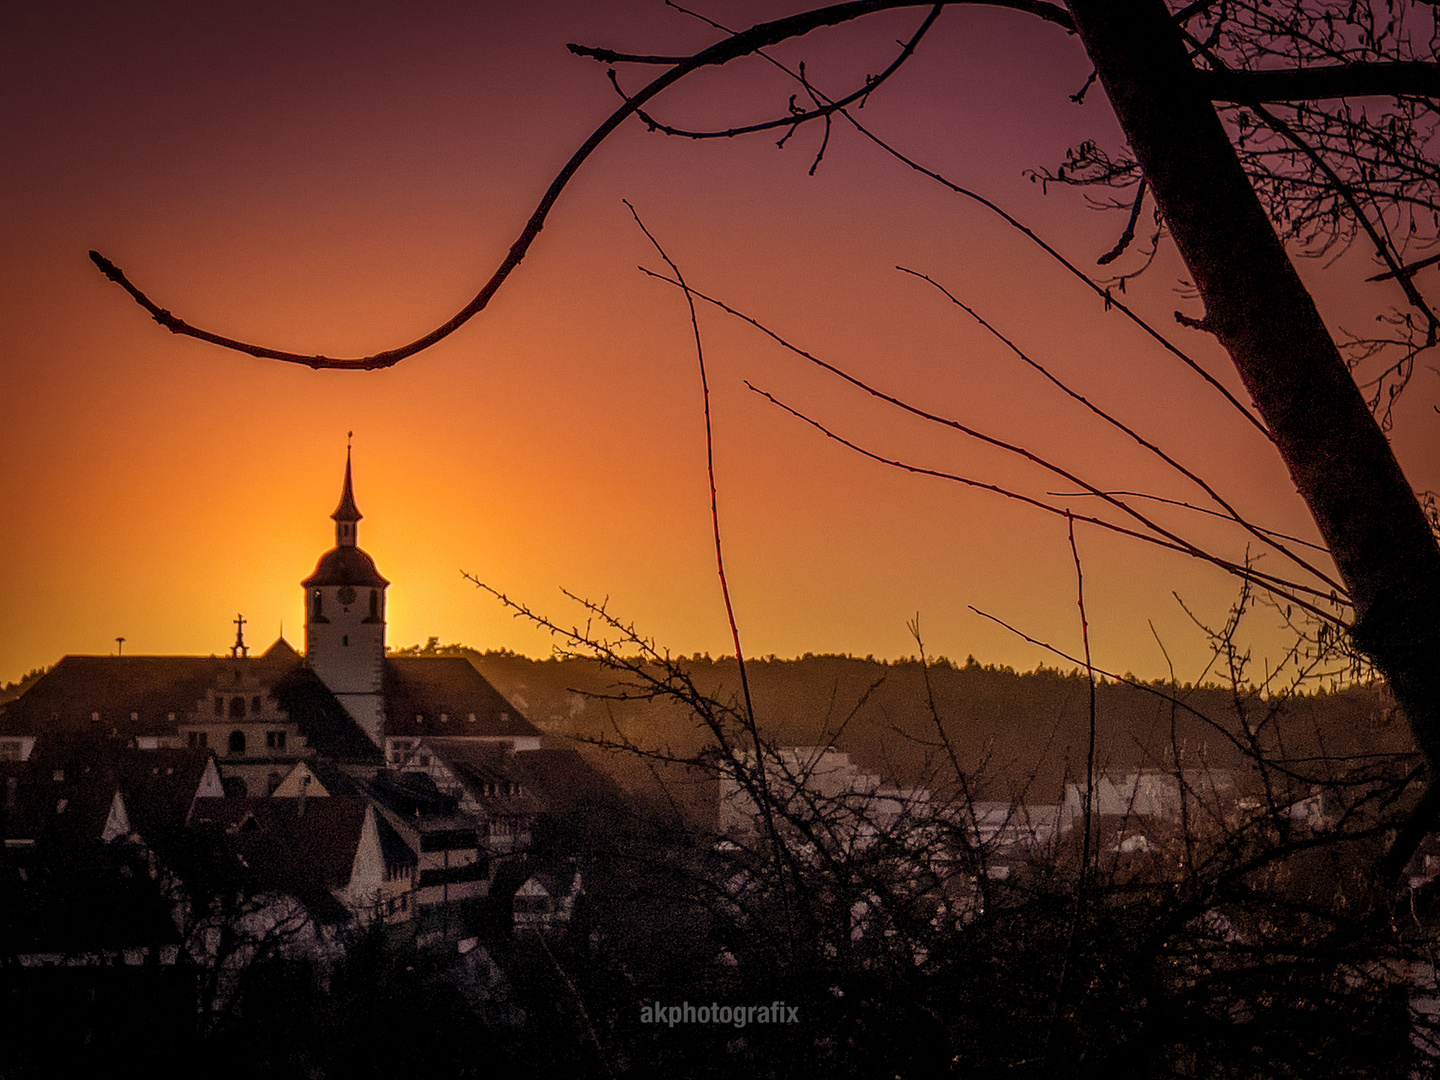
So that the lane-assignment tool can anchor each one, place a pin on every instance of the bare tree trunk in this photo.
(1256, 305)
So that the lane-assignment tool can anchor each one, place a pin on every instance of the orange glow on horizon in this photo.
(342, 185)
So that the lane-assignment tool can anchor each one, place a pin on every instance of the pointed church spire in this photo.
(346, 514)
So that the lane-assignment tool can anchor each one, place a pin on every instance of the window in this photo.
(374, 605)
(198, 739)
(237, 708)
(237, 742)
(316, 606)
(219, 706)
(275, 740)
(255, 704)
(345, 640)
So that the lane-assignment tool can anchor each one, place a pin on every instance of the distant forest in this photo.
(1023, 734)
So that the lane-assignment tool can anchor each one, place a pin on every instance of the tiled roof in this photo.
(64, 793)
(554, 780)
(564, 780)
(411, 794)
(125, 696)
(307, 854)
(121, 698)
(439, 695)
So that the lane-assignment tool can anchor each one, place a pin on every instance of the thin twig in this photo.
(1261, 534)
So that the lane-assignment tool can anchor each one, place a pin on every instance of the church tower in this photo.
(345, 621)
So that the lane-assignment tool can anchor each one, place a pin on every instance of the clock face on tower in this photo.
(346, 595)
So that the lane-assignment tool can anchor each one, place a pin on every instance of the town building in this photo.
(336, 787)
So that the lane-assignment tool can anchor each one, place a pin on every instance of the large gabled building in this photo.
(343, 699)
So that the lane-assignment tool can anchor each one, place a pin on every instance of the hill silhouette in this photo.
(1021, 733)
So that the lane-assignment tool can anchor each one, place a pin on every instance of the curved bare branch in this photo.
(737, 45)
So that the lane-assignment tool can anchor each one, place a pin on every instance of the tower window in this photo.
(375, 604)
(198, 739)
(275, 740)
(237, 742)
(255, 703)
(219, 706)
(345, 640)
(316, 605)
(237, 708)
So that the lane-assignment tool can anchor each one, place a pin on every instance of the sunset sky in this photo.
(341, 177)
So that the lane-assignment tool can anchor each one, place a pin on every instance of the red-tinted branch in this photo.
(1407, 270)
(1401, 78)
(737, 45)
(1103, 292)
(795, 118)
(1129, 233)
(1110, 300)
(1282, 585)
(1263, 535)
(1278, 586)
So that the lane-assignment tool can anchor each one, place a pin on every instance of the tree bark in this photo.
(1339, 459)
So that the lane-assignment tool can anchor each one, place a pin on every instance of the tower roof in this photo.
(347, 510)
(345, 566)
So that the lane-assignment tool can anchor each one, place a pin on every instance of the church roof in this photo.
(445, 695)
(345, 566)
(122, 697)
